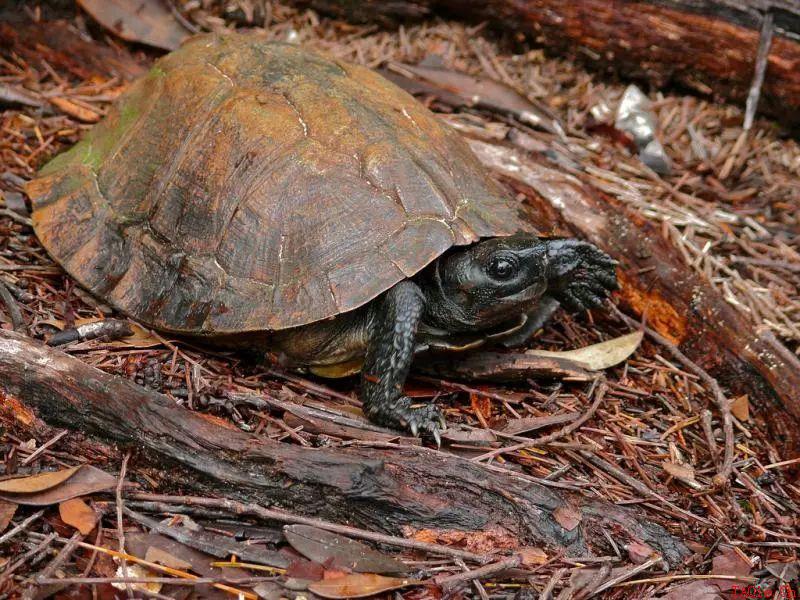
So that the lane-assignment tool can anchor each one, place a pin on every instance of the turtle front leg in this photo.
(390, 350)
(536, 319)
(580, 275)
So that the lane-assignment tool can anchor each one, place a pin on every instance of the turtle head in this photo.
(486, 284)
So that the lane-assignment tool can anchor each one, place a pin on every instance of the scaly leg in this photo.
(389, 355)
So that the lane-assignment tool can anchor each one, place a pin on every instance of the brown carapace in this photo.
(245, 186)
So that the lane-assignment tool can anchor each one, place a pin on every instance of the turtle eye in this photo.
(502, 268)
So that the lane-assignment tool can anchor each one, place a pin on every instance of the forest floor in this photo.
(731, 204)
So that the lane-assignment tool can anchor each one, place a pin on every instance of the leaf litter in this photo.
(731, 229)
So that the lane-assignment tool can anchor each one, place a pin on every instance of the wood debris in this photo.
(649, 435)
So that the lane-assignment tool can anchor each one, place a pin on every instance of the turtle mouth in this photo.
(510, 308)
(526, 296)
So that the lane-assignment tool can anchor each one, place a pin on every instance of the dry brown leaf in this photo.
(566, 516)
(639, 553)
(598, 356)
(682, 472)
(7, 512)
(305, 570)
(460, 435)
(532, 556)
(134, 571)
(57, 323)
(146, 21)
(141, 337)
(336, 551)
(63, 485)
(740, 408)
(359, 585)
(36, 483)
(527, 424)
(78, 514)
(139, 544)
(696, 590)
(729, 562)
(783, 571)
(155, 554)
(485, 92)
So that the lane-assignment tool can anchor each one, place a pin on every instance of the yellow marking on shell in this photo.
(339, 370)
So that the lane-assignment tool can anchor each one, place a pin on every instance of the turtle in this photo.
(264, 195)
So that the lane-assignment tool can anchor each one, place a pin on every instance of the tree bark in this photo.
(656, 283)
(395, 490)
(708, 46)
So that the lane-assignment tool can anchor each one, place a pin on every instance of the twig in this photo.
(764, 44)
(186, 23)
(60, 558)
(668, 578)
(164, 580)
(44, 447)
(599, 388)
(628, 574)
(708, 431)
(547, 592)
(725, 469)
(482, 572)
(14, 313)
(25, 558)
(588, 590)
(466, 388)
(14, 216)
(153, 566)
(475, 583)
(271, 514)
(108, 329)
(21, 527)
(622, 476)
(120, 529)
(98, 539)
(311, 386)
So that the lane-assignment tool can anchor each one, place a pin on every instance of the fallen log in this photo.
(709, 47)
(657, 284)
(400, 489)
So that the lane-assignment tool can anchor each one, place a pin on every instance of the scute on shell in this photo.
(243, 185)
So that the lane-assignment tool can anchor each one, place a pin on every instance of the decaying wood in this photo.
(707, 46)
(657, 284)
(406, 489)
(61, 45)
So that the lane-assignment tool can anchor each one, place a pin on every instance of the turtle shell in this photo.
(243, 185)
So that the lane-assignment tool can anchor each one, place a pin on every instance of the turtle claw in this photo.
(582, 275)
(426, 420)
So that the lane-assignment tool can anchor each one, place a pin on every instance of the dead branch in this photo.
(403, 489)
(710, 47)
